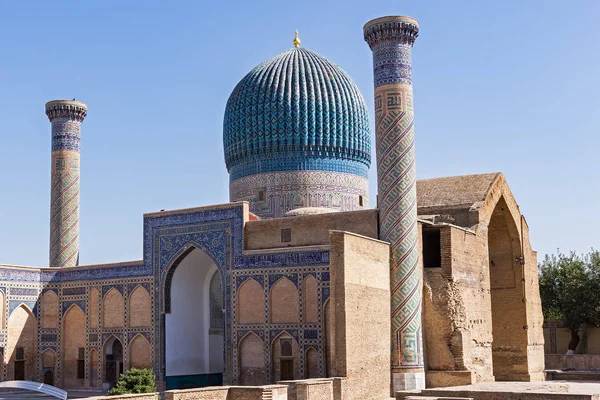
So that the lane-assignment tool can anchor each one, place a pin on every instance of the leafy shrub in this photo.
(134, 381)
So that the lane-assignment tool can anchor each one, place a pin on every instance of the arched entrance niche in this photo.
(285, 358)
(48, 365)
(509, 319)
(73, 350)
(113, 361)
(194, 322)
(21, 346)
(252, 360)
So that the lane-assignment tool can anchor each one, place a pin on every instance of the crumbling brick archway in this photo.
(508, 307)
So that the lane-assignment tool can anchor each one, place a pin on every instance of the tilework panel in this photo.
(49, 337)
(17, 291)
(20, 275)
(67, 304)
(219, 233)
(275, 277)
(285, 191)
(66, 118)
(308, 108)
(13, 304)
(95, 274)
(241, 279)
(147, 335)
(287, 259)
(391, 41)
(266, 165)
(73, 291)
(107, 288)
(325, 293)
(311, 334)
(168, 237)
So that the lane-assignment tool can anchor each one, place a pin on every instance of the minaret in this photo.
(66, 117)
(391, 40)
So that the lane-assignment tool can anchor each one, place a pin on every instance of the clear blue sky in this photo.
(509, 86)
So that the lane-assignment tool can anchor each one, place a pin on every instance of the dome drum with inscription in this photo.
(296, 134)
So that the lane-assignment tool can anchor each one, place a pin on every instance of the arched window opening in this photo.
(286, 359)
(216, 303)
(286, 348)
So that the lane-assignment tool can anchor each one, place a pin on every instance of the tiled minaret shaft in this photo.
(66, 118)
(391, 40)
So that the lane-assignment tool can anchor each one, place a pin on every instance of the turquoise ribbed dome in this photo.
(296, 111)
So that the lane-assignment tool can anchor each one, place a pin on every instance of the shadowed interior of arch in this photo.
(194, 323)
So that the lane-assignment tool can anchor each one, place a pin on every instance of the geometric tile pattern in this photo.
(297, 105)
(66, 118)
(218, 232)
(289, 163)
(300, 116)
(391, 40)
(285, 191)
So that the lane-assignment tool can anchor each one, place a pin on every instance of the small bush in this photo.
(134, 381)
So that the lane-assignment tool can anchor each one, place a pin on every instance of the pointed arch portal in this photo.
(113, 361)
(194, 346)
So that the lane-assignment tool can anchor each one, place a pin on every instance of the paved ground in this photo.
(574, 387)
(22, 395)
(25, 395)
(72, 394)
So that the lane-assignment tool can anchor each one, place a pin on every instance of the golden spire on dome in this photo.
(296, 40)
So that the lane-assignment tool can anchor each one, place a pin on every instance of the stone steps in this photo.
(493, 395)
(436, 398)
(557, 375)
(419, 395)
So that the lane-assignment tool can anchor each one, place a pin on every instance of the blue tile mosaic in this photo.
(49, 337)
(16, 291)
(325, 117)
(31, 305)
(73, 291)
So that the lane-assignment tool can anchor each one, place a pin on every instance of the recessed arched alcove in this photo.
(509, 319)
(113, 361)
(194, 337)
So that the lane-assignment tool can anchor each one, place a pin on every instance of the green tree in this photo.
(570, 291)
(134, 381)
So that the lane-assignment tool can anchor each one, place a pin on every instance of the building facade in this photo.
(296, 278)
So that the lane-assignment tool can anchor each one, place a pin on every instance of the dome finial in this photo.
(296, 40)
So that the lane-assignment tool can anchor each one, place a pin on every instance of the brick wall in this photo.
(272, 392)
(482, 311)
(49, 309)
(113, 309)
(74, 339)
(140, 311)
(22, 332)
(308, 230)
(360, 293)
(143, 396)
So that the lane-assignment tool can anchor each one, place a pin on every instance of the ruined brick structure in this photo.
(295, 278)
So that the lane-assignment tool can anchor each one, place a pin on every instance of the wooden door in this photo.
(49, 378)
(19, 370)
(287, 370)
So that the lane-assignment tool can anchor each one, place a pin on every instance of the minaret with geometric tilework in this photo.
(391, 40)
(66, 117)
